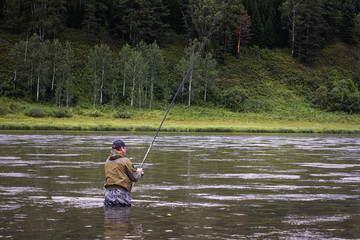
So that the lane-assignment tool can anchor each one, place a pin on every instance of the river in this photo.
(196, 186)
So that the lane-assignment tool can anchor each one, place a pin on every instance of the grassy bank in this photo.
(15, 116)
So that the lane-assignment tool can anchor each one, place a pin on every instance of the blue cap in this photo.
(118, 144)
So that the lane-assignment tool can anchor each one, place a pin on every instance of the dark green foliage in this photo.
(348, 32)
(3, 110)
(310, 31)
(123, 115)
(344, 97)
(234, 99)
(321, 96)
(136, 21)
(330, 13)
(35, 112)
(257, 27)
(269, 32)
(61, 113)
(95, 113)
(338, 94)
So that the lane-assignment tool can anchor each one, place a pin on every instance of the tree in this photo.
(184, 64)
(56, 50)
(203, 75)
(94, 16)
(308, 27)
(65, 86)
(269, 32)
(18, 54)
(257, 27)
(209, 74)
(11, 12)
(47, 17)
(348, 31)
(311, 29)
(203, 14)
(134, 71)
(150, 20)
(242, 30)
(331, 12)
(42, 68)
(100, 66)
(155, 62)
(138, 20)
(119, 11)
(289, 13)
(124, 56)
(222, 38)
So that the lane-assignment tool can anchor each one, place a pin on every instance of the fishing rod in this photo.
(183, 81)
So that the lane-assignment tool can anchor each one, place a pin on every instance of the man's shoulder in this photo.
(121, 160)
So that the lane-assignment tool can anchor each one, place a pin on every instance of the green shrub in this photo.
(35, 112)
(14, 107)
(321, 96)
(95, 114)
(61, 113)
(123, 115)
(234, 99)
(3, 110)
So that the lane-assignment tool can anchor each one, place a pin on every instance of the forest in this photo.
(136, 52)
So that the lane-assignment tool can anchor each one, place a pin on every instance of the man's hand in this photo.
(141, 171)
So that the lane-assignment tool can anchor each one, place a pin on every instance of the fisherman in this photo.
(120, 174)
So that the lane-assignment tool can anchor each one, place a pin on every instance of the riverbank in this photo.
(175, 125)
(181, 118)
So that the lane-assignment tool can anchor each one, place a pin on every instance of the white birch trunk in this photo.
(190, 83)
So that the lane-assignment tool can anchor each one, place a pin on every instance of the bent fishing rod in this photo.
(183, 81)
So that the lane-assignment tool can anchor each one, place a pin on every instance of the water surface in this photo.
(196, 186)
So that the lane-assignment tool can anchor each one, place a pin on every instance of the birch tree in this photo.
(56, 51)
(289, 13)
(134, 69)
(65, 87)
(18, 54)
(156, 63)
(185, 63)
(209, 74)
(100, 66)
(124, 56)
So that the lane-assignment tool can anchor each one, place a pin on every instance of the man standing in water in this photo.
(120, 174)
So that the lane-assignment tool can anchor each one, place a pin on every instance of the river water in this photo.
(196, 186)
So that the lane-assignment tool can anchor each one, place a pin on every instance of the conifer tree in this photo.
(243, 30)
(348, 32)
(331, 11)
(11, 11)
(269, 32)
(310, 29)
(94, 16)
(222, 39)
(257, 27)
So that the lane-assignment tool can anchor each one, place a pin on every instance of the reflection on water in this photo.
(196, 186)
(118, 224)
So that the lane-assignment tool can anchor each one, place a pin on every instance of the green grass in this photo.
(180, 119)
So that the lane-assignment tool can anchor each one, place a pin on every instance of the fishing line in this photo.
(183, 81)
